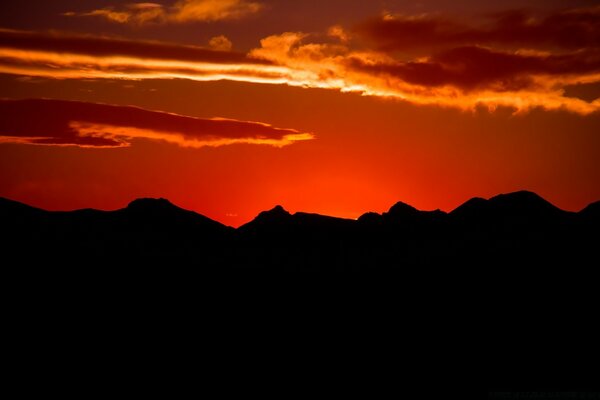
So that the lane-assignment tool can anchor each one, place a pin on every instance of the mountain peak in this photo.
(275, 217)
(522, 205)
(474, 205)
(401, 208)
(145, 203)
(520, 195)
(13, 208)
(370, 218)
(523, 201)
(278, 210)
(276, 213)
(592, 211)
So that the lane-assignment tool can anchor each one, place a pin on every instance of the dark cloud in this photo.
(570, 29)
(472, 67)
(59, 122)
(512, 60)
(109, 46)
(180, 12)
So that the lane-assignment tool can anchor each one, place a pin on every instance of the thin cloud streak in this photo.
(462, 76)
(182, 11)
(101, 46)
(56, 55)
(569, 29)
(92, 125)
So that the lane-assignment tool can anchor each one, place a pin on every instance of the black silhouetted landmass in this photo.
(591, 212)
(508, 230)
(485, 285)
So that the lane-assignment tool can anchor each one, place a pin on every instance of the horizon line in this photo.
(296, 212)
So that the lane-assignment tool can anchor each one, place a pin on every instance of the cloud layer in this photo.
(182, 11)
(513, 59)
(71, 123)
(56, 55)
(462, 77)
(569, 29)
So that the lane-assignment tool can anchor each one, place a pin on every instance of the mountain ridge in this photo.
(398, 210)
(512, 230)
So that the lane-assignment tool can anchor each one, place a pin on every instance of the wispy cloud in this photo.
(508, 63)
(462, 77)
(569, 29)
(136, 13)
(514, 59)
(182, 11)
(220, 43)
(71, 123)
(56, 55)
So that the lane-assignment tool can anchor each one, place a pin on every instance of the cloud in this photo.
(99, 46)
(508, 62)
(213, 10)
(462, 77)
(56, 55)
(220, 43)
(568, 29)
(136, 13)
(338, 32)
(72, 123)
(182, 11)
(514, 59)
(472, 68)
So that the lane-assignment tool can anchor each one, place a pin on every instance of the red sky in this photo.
(340, 107)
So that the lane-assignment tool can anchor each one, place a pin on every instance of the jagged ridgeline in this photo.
(514, 229)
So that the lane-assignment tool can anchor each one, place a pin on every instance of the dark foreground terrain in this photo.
(497, 295)
(509, 230)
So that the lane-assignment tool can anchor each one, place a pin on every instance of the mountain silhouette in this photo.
(509, 230)
(146, 229)
(278, 221)
(402, 214)
(10, 208)
(272, 221)
(164, 215)
(591, 212)
(520, 206)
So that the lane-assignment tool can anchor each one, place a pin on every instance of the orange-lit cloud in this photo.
(100, 47)
(212, 10)
(181, 11)
(71, 123)
(220, 43)
(462, 77)
(463, 70)
(570, 29)
(55, 55)
(338, 32)
(136, 13)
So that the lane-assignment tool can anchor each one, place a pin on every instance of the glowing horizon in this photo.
(228, 108)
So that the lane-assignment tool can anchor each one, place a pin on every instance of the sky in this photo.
(338, 107)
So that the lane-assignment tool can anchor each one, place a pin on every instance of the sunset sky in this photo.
(338, 107)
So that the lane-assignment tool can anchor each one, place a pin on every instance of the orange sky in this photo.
(356, 110)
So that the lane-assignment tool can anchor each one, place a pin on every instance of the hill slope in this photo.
(510, 230)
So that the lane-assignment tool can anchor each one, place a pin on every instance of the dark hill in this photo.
(10, 208)
(401, 222)
(161, 213)
(279, 221)
(276, 220)
(434, 272)
(508, 230)
(515, 213)
(145, 229)
(591, 212)
(401, 213)
(522, 205)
